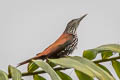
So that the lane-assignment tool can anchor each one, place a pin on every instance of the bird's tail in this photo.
(24, 62)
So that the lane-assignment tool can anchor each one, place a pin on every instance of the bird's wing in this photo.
(54, 48)
(58, 45)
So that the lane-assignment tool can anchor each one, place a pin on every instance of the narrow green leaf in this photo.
(51, 64)
(83, 65)
(104, 68)
(111, 47)
(15, 73)
(3, 75)
(82, 76)
(99, 73)
(106, 54)
(116, 66)
(32, 67)
(37, 77)
(70, 63)
(90, 54)
(63, 75)
(47, 68)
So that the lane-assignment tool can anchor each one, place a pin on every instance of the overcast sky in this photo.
(29, 26)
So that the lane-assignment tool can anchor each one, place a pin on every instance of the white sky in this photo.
(29, 26)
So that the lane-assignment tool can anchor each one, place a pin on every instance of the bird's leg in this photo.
(47, 60)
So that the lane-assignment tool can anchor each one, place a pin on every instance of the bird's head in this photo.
(73, 25)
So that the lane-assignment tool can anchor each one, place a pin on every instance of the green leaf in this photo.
(32, 67)
(91, 53)
(70, 63)
(94, 68)
(51, 64)
(104, 68)
(47, 68)
(37, 77)
(110, 47)
(106, 54)
(116, 66)
(3, 75)
(83, 65)
(82, 76)
(63, 75)
(15, 73)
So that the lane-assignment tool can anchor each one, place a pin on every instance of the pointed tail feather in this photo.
(27, 61)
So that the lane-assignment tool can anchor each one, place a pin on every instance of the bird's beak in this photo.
(79, 19)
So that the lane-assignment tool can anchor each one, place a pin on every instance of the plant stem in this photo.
(59, 68)
(105, 60)
(39, 72)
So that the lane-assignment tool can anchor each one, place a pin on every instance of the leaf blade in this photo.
(15, 73)
(92, 70)
(104, 68)
(32, 67)
(3, 75)
(82, 76)
(92, 53)
(67, 62)
(37, 77)
(111, 47)
(47, 68)
(63, 75)
(116, 66)
(99, 73)
(106, 54)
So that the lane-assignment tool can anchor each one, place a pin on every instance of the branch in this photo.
(105, 60)
(59, 68)
(39, 72)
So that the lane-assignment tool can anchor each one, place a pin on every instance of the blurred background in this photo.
(27, 27)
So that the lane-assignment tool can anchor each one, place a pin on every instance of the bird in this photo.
(63, 46)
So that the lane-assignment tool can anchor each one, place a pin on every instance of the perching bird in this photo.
(63, 46)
